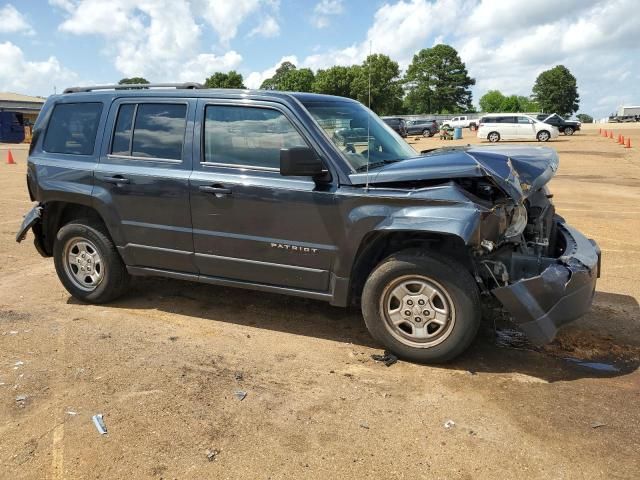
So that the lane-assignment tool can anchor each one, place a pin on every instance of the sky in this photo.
(47, 45)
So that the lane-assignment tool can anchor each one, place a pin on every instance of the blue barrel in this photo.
(457, 133)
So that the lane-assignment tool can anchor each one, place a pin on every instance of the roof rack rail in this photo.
(187, 86)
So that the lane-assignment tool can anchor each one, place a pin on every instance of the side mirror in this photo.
(300, 162)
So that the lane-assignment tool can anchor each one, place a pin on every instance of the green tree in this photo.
(527, 104)
(556, 91)
(491, 101)
(133, 81)
(438, 81)
(336, 80)
(289, 78)
(231, 79)
(386, 88)
(584, 118)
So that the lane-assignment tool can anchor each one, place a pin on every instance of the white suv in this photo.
(509, 126)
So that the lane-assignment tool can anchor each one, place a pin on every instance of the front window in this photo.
(359, 134)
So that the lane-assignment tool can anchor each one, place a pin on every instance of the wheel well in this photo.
(58, 214)
(493, 131)
(377, 246)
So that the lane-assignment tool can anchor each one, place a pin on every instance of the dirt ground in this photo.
(163, 365)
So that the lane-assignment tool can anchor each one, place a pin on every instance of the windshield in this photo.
(347, 123)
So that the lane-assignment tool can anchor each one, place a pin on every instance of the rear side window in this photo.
(72, 128)
(247, 136)
(150, 130)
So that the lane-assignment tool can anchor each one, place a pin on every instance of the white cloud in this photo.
(17, 74)
(267, 28)
(12, 21)
(324, 10)
(507, 46)
(255, 79)
(226, 16)
(204, 65)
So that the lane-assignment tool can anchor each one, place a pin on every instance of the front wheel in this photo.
(568, 131)
(88, 263)
(543, 136)
(426, 133)
(421, 307)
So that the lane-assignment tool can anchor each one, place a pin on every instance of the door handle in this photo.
(117, 180)
(218, 191)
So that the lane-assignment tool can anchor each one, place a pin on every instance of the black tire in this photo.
(114, 276)
(568, 131)
(427, 133)
(451, 277)
(493, 137)
(543, 136)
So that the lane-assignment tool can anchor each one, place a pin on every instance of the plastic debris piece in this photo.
(19, 363)
(71, 412)
(240, 395)
(238, 376)
(212, 454)
(598, 425)
(364, 425)
(99, 423)
(388, 358)
(449, 424)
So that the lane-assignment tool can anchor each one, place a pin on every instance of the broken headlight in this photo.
(518, 222)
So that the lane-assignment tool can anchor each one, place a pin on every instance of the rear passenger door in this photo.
(143, 180)
(526, 128)
(250, 223)
(508, 127)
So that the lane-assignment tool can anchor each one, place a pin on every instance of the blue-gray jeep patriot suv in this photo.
(307, 195)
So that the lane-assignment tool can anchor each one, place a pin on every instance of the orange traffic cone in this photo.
(621, 139)
(10, 158)
(611, 134)
(628, 145)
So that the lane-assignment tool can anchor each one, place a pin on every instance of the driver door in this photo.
(525, 128)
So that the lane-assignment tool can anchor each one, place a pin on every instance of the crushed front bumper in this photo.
(563, 291)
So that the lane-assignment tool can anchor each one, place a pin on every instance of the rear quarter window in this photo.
(72, 128)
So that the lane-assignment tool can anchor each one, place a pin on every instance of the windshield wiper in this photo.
(381, 163)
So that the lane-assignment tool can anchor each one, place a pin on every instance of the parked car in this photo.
(424, 127)
(11, 127)
(568, 127)
(247, 189)
(397, 124)
(461, 121)
(508, 126)
(624, 118)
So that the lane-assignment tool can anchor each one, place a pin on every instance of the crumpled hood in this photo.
(518, 170)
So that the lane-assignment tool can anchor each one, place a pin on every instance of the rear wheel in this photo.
(543, 136)
(493, 137)
(88, 263)
(426, 133)
(421, 308)
(568, 131)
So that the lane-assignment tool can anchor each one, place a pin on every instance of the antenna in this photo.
(366, 187)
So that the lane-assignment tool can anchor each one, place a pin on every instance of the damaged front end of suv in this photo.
(542, 271)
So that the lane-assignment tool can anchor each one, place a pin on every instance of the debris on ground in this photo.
(512, 338)
(449, 424)
(364, 425)
(240, 394)
(212, 454)
(21, 400)
(99, 423)
(71, 412)
(19, 363)
(600, 366)
(598, 425)
(238, 376)
(173, 339)
(388, 358)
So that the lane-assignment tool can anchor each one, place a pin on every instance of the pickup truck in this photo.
(463, 121)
